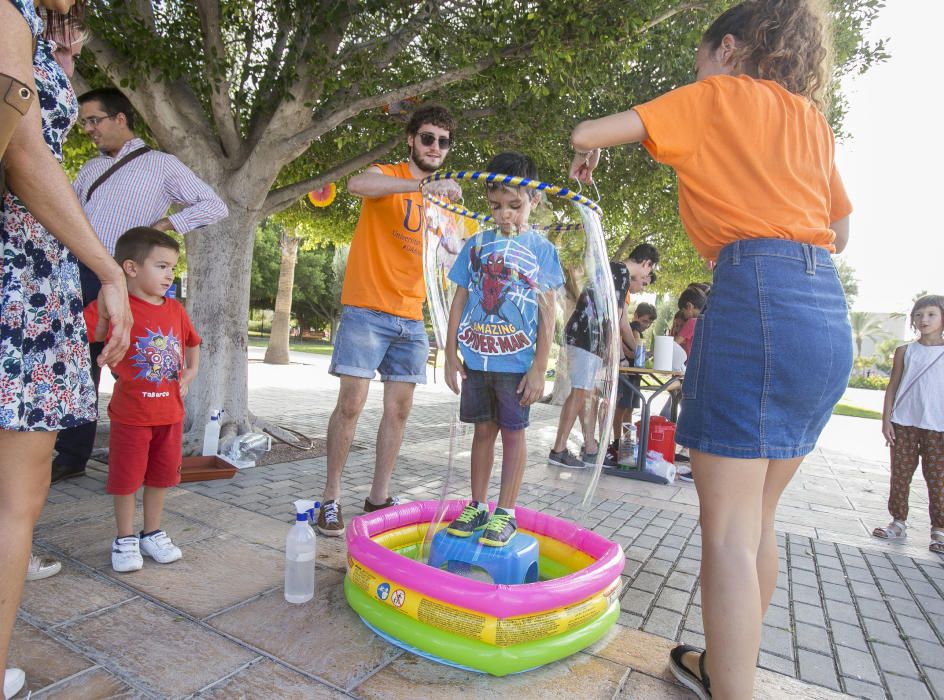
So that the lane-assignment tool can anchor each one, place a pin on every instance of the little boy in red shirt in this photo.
(146, 408)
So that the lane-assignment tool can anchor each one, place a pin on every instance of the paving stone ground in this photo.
(851, 615)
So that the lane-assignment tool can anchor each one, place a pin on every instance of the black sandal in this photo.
(700, 686)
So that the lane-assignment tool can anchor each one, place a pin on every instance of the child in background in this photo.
(146, 409)
(913, 421)
(690, 304)
(502, 319)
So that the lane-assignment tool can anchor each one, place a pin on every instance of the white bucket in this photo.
(664, 349)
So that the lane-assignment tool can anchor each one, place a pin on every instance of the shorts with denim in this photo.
(771, 354)
(373, 341)
(493, 396)
(583, 366)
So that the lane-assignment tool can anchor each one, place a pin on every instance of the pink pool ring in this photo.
(496, 629)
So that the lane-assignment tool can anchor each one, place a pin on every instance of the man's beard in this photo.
(423, 165)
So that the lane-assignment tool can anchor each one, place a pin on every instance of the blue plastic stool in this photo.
(516, 562)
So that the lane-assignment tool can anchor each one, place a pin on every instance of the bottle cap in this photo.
(302, 507)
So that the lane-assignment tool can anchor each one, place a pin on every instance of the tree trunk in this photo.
(219, 259)
(277, 351)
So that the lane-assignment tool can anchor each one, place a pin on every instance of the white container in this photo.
(662, 353)
(211, 435)
(300, 556)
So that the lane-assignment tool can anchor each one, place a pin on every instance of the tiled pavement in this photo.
(850, 614)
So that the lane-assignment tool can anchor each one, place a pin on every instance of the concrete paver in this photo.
(851, 614)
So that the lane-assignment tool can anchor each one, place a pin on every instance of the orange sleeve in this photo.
(839, 204)
(675, 121)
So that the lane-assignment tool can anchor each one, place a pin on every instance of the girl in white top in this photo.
(913, 421)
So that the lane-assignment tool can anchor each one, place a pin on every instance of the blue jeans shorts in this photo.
(771, 354)
(373, 341)
(493, 396)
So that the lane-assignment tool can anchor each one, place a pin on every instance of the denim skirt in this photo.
(771, 354)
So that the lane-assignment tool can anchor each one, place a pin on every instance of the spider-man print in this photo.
(505, 277)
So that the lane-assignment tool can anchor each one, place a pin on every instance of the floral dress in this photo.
(44, 356)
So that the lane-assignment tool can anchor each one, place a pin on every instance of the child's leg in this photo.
(904, 463)
(514, 456)
(124, 515)
(932, 466)
(483, 458)
(153, 508)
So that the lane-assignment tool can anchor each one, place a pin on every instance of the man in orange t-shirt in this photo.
(381, 328)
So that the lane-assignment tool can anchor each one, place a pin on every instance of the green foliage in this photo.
(873, 382)
(848, 280)
(520, 74)
(314, 297)
(842, 409)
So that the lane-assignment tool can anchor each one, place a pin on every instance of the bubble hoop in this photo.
(512, 181)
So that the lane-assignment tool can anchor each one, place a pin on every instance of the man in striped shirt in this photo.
(125, 186)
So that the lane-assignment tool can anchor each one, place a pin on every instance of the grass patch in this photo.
(312, 346)
(844, 409)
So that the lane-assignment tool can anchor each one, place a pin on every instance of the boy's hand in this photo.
(531, 386)
(888, 430)
(186, 377)
(454, 369)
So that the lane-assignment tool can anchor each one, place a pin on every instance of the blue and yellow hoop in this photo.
(511, 181)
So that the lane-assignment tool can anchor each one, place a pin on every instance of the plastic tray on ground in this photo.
(205, 469)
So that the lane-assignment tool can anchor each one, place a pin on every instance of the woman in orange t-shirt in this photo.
(758, 194)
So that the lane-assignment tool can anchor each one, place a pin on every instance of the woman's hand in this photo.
(583, 165)
(113, 309)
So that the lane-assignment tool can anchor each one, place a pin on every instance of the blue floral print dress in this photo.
(44, 356)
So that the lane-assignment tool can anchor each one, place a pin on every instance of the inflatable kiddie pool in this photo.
(496, 629)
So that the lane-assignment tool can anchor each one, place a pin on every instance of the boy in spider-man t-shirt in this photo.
(502, 320)
(146, 408)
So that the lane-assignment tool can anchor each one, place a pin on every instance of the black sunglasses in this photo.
(428, 139)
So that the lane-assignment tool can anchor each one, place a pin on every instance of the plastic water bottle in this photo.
(626, 457)
(640, 359)
(300, 555)
(211, 435)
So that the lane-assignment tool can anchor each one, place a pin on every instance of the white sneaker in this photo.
(13, 681)
(159, 547)
(126, 554)
(41, 567)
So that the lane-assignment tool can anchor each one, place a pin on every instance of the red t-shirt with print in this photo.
(148, 388)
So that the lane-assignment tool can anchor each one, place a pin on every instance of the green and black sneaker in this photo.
(500, 529)
(471, 518)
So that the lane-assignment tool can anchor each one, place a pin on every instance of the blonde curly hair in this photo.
(787, 41)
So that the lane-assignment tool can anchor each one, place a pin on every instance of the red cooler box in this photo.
(661, 436)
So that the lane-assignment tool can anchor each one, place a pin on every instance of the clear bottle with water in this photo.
(211, 435)
(300, 555)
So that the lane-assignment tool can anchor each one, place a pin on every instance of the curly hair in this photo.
(787, 41)
(431, 114)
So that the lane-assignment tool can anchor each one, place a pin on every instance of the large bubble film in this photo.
(553, 280)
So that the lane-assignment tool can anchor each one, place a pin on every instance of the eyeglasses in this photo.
(428, 139)
(95, 121)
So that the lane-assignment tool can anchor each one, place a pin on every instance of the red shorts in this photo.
(148, 455)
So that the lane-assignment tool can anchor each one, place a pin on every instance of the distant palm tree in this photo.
(865, 325)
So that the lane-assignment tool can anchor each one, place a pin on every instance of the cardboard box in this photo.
(205, 469)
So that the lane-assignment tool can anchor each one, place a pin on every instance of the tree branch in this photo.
(283, 197)
(171, 109)
(220, 104)
(668, 14)
(394, 42)
(277, 146)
